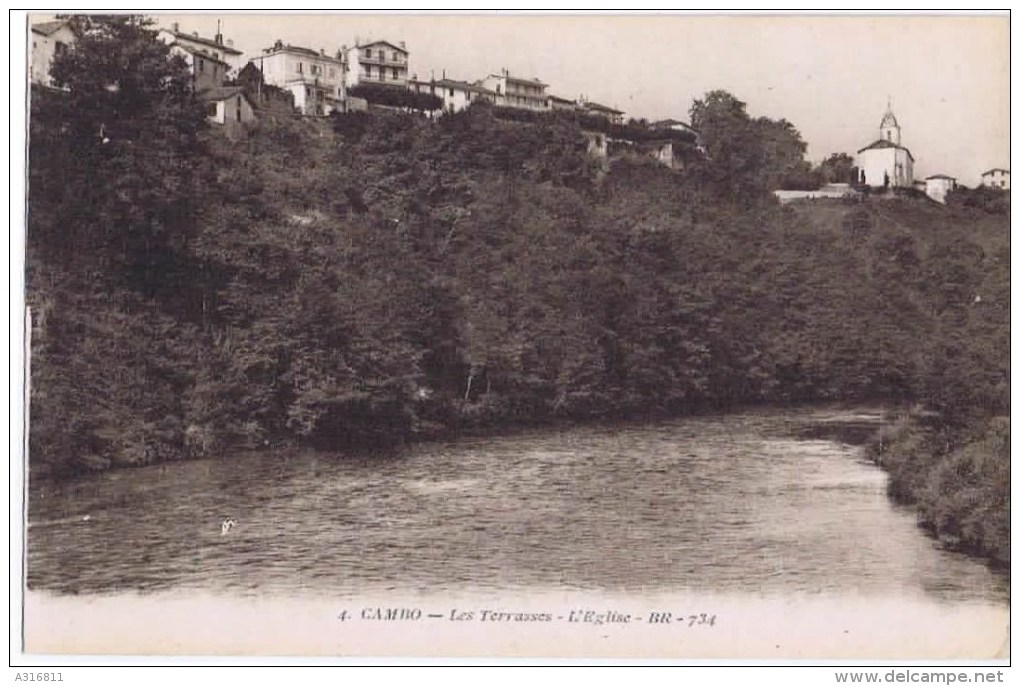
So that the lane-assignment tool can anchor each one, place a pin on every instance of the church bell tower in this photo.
(889, 129)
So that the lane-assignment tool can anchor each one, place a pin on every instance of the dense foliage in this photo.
(958, 480)
(380, 277)
(396, 96)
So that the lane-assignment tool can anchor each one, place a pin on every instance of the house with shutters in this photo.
(377, 62)
(996, 178)
(314, 78)
(215, 49)
(514, 91)
(456, 95)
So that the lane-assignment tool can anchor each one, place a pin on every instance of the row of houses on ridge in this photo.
(289, 78)
(319, 80)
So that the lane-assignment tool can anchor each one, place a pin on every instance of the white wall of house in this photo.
(223, 51)
(996, 178)
(44, 49)
(877, 163)
(377, 62)
(231, 111)
(315, 80)
(206, 71)
(520, 93)
(937, 188)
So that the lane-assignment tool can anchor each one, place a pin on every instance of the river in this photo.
(751, 507)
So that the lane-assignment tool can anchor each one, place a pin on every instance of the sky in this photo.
(831, 76)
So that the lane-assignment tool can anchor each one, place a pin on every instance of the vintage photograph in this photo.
(651, 336)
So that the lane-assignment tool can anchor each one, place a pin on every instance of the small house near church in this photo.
(938, 186)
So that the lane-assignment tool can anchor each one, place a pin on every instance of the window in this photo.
(59, 47)
(368, 53)
(238, 113)
(201, 64)
(395, 74)
(300, 68)
(396, 57)
(210, 109)
(332, 73)
(451, 92)
(497, 89)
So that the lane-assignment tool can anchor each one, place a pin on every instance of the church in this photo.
(886, 162)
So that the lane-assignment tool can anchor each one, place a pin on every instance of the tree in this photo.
(123, 133)
(114, 168)
(784, 163)
(836, 168)
(734, 154)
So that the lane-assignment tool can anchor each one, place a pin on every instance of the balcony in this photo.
(318, 80)
(382, 60)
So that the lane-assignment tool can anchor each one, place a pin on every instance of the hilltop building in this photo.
(556, 104)
(377, 62)
(456, 95)
(596, 110)
(206, 71)
(674, 125)
(996, 178)
(315, 79)
(938, 186)
(886, 163)
(198, 49)
(513, 91)
(49, 39)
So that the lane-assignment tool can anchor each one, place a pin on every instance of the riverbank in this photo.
(958, 481)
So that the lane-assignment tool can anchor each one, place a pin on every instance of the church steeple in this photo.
(889, 129)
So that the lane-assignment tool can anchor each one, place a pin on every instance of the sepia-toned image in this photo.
(657, 336)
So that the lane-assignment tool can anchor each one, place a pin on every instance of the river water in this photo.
(777, 504)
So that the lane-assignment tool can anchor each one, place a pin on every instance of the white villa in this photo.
(314, 78)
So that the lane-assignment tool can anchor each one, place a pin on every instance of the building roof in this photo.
(601, 108)
(280, 47)
(201, 53)
(888, 119)
(670, 123)
(462, 85)
(996, 169)
(382, 42)
(556, 98)
(882, 143)
(48, 28)
(195, 38)
(940, 176)
(518, 79)
(222, 93)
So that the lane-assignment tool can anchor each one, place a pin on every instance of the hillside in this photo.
(393, 278)
(376, 278)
